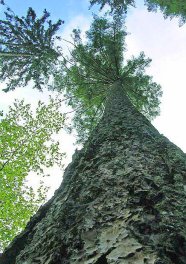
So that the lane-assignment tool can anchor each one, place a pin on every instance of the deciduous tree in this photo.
(25, 145)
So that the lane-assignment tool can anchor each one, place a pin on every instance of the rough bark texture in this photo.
(122, 199)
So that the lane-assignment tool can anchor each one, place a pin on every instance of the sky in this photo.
(161, 40)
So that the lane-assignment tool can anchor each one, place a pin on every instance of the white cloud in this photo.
(163, 41)
(78, 22)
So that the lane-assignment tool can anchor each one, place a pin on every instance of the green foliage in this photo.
(89, 71)
(171, 8)
(116, 6)
(92, 67)
(27, 50)
(26, 145)
(142, 91)
(95, 66)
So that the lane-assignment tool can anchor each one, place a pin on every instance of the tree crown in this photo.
(27, 48)
(95, 65)
(169, 8)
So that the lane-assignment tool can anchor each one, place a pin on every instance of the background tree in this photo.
(169, 8)
(118, 6)
(27, 48)
(26, 145)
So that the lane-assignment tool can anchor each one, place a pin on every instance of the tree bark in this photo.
(121, 201)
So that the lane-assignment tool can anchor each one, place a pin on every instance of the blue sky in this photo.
(63, 9)
(162, 40)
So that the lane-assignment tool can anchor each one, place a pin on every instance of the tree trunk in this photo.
(122, 199)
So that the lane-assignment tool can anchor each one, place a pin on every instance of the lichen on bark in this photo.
(122, 199)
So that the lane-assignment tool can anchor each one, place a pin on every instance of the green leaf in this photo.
(26, 145)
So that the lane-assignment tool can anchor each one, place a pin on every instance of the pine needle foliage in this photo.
(116, 6)
(27, 50)
(170, 8)
(92, 68)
